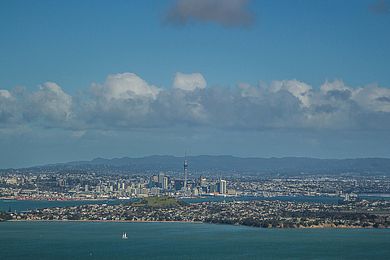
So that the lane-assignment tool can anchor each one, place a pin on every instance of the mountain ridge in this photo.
(229, 163)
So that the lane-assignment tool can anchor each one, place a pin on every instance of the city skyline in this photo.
(245, 78)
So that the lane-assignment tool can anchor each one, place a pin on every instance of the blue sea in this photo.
(103, 240)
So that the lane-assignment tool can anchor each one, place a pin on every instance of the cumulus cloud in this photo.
(298, 89)
(228, 13)
(7, 106)
(125, 86)
(49, 106)
(50, 103)
(373, 98)
(5, 93)
(126, 101)
(189, 82)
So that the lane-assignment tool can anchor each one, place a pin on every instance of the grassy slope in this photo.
(158, 202)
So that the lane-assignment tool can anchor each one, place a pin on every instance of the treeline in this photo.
(309, 219)
(4, 216)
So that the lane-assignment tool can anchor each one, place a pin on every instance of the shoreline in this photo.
(54, 200)
(196, 222)
(107, 221)
(204, 196)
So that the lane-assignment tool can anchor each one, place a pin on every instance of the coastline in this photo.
(327, 226)
(108, 221)
(46, 199)
(334, 219)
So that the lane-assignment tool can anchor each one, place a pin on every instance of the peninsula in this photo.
(261, 213)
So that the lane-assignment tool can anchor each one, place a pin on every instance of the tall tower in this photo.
(185, 172)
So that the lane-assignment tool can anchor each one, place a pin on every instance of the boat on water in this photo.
(124, 235)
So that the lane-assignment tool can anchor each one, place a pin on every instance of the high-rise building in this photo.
(165, 183)
(185, 172)
(179, 184)
(213, 188)
(154, 178)
(221, 187)
(202, 181)
(153, 181)
(161, 179)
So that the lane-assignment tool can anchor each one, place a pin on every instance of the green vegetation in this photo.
(158, 202)
(4, 216)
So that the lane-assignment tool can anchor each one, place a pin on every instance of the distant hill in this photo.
(294, 165)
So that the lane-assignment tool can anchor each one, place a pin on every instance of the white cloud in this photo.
(126, 86)
(49, 103)
(373, 98)
(5, 93)
(189, 82)
(336, 85)
(126, 101)
(8, 109)
(298, 89)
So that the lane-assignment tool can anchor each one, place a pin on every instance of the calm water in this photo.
(91, 240)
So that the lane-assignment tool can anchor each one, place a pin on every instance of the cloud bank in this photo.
(126, 101)
(228, 13)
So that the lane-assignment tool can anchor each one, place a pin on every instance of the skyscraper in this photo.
(161, 180)
(179, 184)
(222, 187)
(202, 181)
(185, 172)
(165, 183)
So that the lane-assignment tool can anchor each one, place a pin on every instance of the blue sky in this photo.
(289, 55)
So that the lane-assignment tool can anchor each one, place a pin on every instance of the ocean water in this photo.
(102, 240)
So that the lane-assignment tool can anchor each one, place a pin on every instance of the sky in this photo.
(86, 79)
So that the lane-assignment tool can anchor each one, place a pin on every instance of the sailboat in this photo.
(124, 235)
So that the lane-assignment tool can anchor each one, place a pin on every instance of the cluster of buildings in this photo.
(65, 184)
(344, 186)
(251, 213)
(89, 185)
(162, 184)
